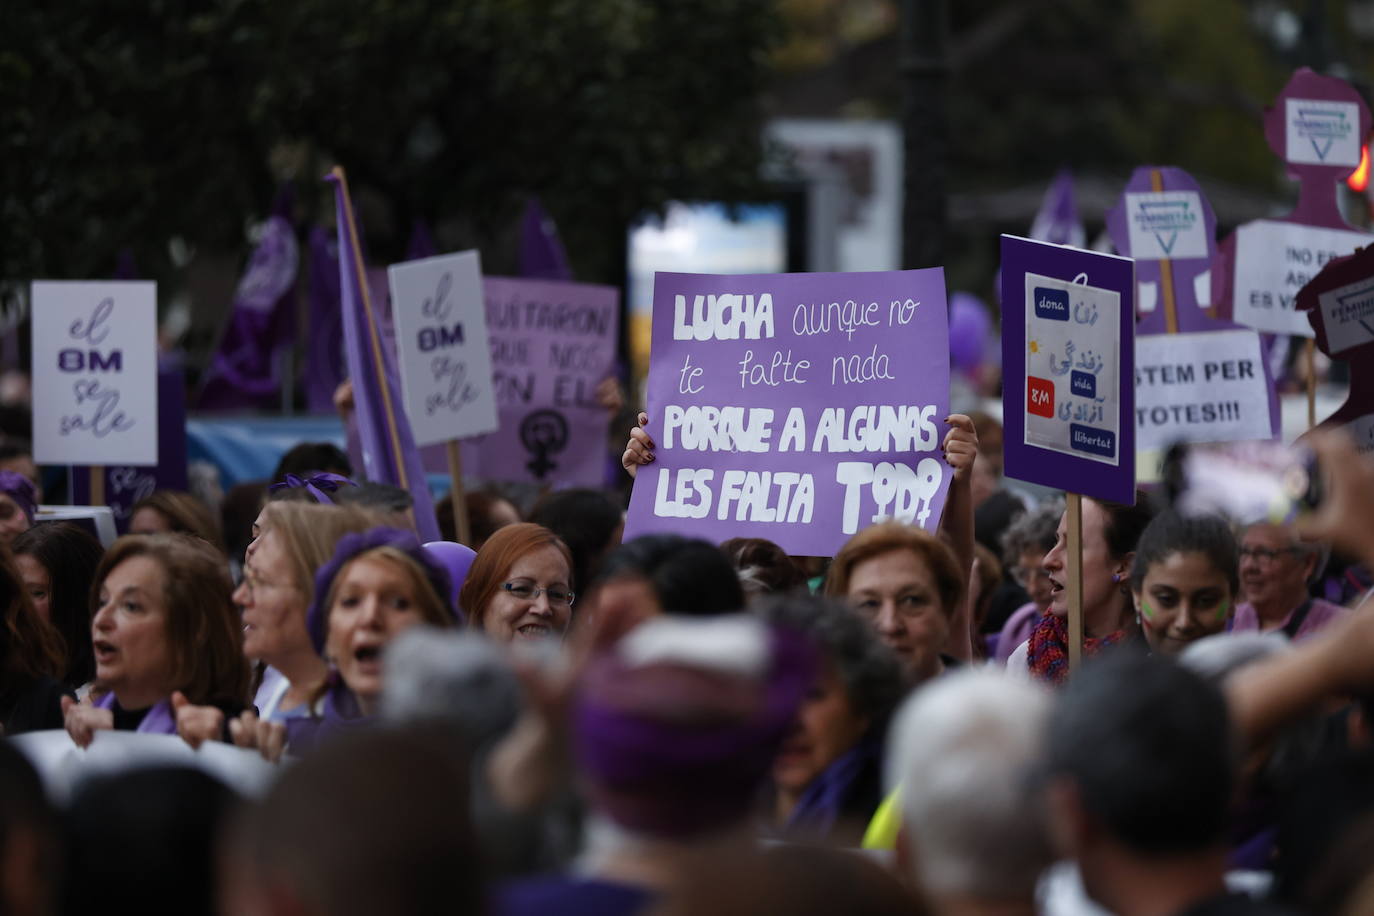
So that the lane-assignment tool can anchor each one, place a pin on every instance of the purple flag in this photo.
(244, 373)
(421, 243)
(541, 253)
(324, 346)
(389, 453)
(1057, 220)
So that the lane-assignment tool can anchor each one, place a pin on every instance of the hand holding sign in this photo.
(83, 720)
(640, 449)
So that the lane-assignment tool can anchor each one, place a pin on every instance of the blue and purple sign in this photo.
(795, 407)
(1067, 347)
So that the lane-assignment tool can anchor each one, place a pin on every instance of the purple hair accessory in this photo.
(316, 483)
(457, 559)
(349, 546)
(20, 489)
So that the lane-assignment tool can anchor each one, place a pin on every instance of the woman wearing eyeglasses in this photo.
(520, 585)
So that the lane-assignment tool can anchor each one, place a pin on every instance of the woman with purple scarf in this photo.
(164, 632)
(18, 503)
(378, 584)
(827, 778)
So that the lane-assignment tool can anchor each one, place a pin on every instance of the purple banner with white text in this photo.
(799, 408)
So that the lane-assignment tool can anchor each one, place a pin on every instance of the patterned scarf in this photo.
(1048, 653)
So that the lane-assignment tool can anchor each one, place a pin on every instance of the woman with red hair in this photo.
(520, 585)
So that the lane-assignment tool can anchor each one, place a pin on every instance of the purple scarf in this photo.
(339, 714)
(316, 484)
(158, 721)
(826, 799)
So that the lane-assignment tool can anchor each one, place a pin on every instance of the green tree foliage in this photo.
(127, 124)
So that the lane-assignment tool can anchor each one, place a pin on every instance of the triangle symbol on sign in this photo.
(1323, 149)
(1169, 245)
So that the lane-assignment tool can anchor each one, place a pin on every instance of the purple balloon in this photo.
(456, 558)
(969, 325)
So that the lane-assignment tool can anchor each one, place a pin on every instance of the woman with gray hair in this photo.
(1023, 548)
(827, 779)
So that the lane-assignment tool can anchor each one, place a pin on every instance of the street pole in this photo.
(924, 72)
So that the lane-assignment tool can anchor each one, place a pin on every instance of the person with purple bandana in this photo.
(1275, 569)
(18, 503)
(164, 632)
(674, 730)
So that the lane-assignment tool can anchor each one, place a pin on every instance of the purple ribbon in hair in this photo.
(20, 489)
(316, 484)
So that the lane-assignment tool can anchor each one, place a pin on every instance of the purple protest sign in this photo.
(1067, 368)
(795, 407)
(552, 343)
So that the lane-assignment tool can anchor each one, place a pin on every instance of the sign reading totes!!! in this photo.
(95, 373)
(1274, 261)
(552, 344)
(795, 407)
(441, 342)
(1206, 387)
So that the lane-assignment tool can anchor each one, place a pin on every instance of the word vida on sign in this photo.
(95, 373)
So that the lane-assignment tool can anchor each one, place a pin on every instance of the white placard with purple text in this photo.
(441, 347)
(1275, 260)
(1322, 132)
(95, 372)
(1203, 387)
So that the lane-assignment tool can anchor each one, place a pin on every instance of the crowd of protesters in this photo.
(554, 719)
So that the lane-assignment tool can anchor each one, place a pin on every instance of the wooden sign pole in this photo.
(1073, 522)
(457, 494)
(97, 485)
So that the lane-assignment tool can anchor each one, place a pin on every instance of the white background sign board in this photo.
(441, 347)
(95, 372)
(1207, 387)
(1274, 261)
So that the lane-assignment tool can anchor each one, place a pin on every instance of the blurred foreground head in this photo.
(29, 846)
(1141, 758)
(375, 822)
(143, 842)
(676, 727)
(963, 750)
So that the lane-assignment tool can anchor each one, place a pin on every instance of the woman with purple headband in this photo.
(18, 503)
(378, 584)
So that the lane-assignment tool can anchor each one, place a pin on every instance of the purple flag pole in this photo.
(389, 453)
(541, 253)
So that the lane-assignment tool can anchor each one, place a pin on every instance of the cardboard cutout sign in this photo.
(1339, 304)
(95, 372)
(1316, 126)
(795, 407)
(1068, 365)
(1197, 378)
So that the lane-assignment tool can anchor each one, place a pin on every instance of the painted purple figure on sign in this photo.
(795, 407)
(1317, 126)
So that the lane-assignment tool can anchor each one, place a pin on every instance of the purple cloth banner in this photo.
(799, 408)
(324, 343)
(389, 453)
(1068, 368)
(1057, 219)
(244, 372)
(541, 253)
(551, 344)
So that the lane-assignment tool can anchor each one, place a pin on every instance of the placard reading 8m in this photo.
(1071, 384)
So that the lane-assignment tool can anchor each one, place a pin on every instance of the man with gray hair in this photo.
(1275, 569)
(973, 837)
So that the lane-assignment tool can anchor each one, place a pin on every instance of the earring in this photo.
(1116, 577)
